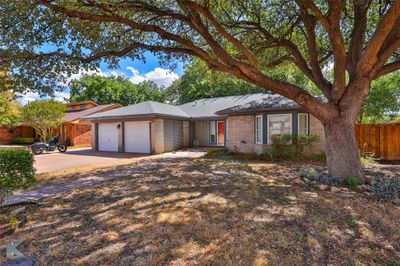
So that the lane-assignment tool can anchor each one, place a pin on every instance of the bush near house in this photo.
(290, 146)
(283, 147)
(23, 140)
(16, 171)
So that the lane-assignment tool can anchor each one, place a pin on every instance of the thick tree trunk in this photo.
(342, 150)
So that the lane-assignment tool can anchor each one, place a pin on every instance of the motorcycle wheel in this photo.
(62, 147)
(37, 151)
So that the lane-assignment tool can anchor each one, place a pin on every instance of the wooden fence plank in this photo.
(382, 140)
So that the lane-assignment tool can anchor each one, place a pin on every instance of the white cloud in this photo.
(28, 97)
(135, 77)
(161, 76)
(60, 96)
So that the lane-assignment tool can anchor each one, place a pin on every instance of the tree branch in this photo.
(331, 23)
(388, 68)
(357, 36)
(385, 27)
(310, 24)
(228, 64)
(205, 12)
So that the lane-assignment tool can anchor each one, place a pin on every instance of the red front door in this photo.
(221, 133)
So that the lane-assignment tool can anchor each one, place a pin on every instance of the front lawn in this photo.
(210, 212)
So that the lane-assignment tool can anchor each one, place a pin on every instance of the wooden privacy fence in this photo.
(382, 140)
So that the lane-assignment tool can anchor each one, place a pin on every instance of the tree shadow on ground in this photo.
(209, 212)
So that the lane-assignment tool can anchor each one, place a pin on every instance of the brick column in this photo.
(185, 128)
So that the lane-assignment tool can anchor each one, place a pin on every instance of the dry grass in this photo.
(209, 212)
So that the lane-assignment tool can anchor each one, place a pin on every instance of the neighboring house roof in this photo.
(268, 102)
(208, 108)
(76, 115)
(144, 109)
(82, 102)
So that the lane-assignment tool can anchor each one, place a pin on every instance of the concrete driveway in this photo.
(56, 161)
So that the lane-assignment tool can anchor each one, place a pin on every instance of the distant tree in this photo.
(383, 102)
(105, 90)
(199, 81)
(44, 116)
(9, 109)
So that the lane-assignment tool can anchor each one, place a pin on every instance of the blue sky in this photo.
(144, 67)
(135, 70)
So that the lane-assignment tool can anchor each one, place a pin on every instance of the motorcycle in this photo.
(51, 145)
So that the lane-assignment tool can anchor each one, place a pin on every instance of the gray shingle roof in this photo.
(265, 103)
(207, 108)
(200, 109)
(148, 108)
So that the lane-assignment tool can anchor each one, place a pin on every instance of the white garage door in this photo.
(108, 136)
(137, 137)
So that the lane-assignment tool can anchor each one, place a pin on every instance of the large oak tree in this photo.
(355, 40)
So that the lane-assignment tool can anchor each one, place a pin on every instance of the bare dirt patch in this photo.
(209, 212)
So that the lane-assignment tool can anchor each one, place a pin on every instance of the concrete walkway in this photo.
(51, 191)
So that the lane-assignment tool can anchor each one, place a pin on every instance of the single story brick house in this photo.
(242, 123)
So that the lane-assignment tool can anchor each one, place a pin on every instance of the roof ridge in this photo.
(221, 97)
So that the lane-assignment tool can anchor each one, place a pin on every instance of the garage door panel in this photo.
(137, 137)
(108, 136)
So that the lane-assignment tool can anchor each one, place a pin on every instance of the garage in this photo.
(137, 137)
(108, 136)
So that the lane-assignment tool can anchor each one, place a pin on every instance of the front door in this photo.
(221, 133)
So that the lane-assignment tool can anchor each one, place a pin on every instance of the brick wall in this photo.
(82, 135)
(6, 135)
(168, 135)
(157, 136)
(185, 128)
(316, 128)
(241, 135)
(173, 135)
(93, 136)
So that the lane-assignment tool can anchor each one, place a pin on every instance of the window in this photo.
(259, 131)
(303, 124)
(279, 125)
(213, 136)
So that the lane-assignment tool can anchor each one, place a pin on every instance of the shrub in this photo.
(367, 160)
(352, 182)
(281, 147)
(317, 175)
(232, 155)
(308, 173)
(290, 146)
(386, 189)
(16, 171)
(23, 140)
